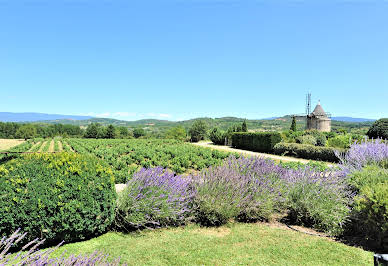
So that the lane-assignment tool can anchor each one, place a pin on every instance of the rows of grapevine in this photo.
(25, 146)
(126, 156)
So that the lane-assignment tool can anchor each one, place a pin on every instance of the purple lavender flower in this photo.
(31, 255)
(154, 197)
(367, 152)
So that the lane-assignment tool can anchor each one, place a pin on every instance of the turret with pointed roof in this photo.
(318, 119)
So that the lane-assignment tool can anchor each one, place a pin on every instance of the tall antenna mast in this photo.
(308, 103)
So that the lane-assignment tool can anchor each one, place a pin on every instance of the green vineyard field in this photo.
(126, 156)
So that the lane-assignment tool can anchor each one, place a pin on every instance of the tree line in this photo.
(199, 130)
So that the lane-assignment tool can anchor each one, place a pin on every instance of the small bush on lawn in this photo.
(154, 198)
(57, 197)
(307, 151)
(245, 189)
(370, 208)
(318, 199)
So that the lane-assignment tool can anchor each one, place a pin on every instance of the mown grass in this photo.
(236, 243)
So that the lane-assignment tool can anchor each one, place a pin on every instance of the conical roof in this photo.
(318, 111)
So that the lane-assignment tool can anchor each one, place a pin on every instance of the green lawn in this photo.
(254, 244)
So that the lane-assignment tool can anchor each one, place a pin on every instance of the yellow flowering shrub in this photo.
(56, 196)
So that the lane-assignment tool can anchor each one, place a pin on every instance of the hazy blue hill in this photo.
(32, 117)
(351, 119)
(156, 125)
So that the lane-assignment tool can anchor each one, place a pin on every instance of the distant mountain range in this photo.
(33, 117)
(157, 126)
(41, 117)
(351, 119)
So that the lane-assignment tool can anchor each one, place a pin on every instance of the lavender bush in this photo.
(256, 188)
(153, 198)
(318, 199)
(31, 255)
(367, 152)
(246, 189)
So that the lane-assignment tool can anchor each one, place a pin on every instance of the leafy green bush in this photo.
(340, 141)
(370, 207)
(57, 197)
(379, 129)
(259, 141)
(198, 130)
(178, 133)
(217, 136)
(318, 166)
(306, 139)
(307, 151)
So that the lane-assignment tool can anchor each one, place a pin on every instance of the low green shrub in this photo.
(340, 141)
(318, 166)
(306, 139)
(258, 141)
(58, 197)
(321, 140)
(217, 136)
(370, 207)
(307, 151)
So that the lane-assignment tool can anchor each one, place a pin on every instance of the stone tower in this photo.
(318, 119)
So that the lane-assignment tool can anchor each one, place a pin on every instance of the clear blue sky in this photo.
(182, 59)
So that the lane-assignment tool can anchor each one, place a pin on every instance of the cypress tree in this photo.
(244, 127)
(293, 124)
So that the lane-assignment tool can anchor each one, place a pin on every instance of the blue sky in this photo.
(180, 59)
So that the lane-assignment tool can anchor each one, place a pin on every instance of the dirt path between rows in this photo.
(41, 147)
(34, 146)
(60, 147)
(210, 145)
(51, 147)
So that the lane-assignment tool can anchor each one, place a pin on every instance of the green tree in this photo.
(293, 124)
(217, 136)
(198, 130)
(138, 132)
(123, 132)
(26, 132)
(110, 132)
(244, 127)
(178, 133)
(379, 129)
(92, 131)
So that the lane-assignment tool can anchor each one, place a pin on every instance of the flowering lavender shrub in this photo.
(367, 152)
(256, 188)
(245, 188)
(31, 255)
(318, 199)
(153, 198)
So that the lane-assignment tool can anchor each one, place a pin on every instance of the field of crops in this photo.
(126, 156)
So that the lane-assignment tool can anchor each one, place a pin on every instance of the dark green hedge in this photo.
(307, 151)
(57, 197)
(258, 141)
